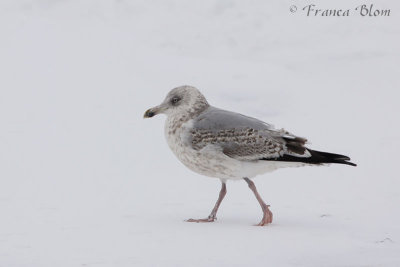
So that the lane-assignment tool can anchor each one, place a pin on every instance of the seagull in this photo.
(231, 146)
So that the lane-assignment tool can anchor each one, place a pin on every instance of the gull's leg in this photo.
(267, 217)
(213, 215)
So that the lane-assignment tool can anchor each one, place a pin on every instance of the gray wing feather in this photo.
(215, 119)
(242, 137)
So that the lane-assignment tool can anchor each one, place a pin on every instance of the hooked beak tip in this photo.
(148, 114)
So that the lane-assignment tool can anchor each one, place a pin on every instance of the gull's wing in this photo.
(248, 139)
(244, 138)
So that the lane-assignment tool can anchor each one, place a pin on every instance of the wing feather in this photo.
(244, 138)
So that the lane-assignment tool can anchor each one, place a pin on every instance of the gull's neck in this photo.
(176, 119)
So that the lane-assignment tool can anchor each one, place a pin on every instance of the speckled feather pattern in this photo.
(242, 144)
(223, 144)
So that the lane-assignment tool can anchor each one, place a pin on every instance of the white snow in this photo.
(85, 181)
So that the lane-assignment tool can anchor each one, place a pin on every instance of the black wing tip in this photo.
(327, 157)
(317, 157)
(345, 162)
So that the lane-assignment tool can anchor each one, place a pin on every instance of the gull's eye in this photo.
(175, 100)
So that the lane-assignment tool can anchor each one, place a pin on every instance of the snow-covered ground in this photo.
(85, 181)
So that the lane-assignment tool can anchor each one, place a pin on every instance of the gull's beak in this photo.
(152, 112)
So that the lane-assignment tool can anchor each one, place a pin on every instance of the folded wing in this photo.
(248, 139)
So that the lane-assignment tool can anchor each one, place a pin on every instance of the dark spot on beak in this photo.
(148, 114)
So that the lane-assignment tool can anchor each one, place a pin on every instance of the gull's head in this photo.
(182, 100)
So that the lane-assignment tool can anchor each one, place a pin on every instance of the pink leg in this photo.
(267, 214)
(213, 215)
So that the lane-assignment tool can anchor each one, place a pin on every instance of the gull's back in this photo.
(215, 119)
